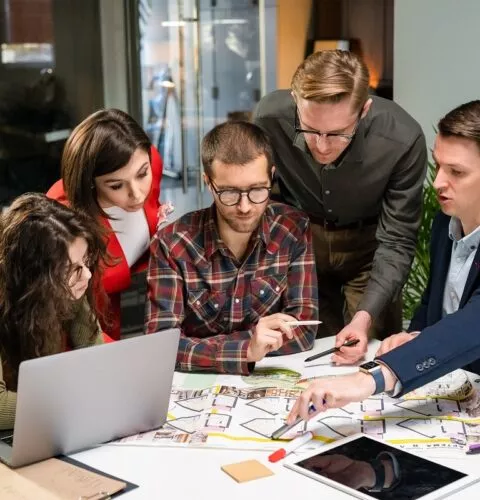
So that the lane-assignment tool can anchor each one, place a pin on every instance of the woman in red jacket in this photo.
(112, 172)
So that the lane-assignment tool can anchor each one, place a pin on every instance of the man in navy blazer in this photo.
(464, 322)
(445, 332)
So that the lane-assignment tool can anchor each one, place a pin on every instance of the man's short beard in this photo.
(240, 226)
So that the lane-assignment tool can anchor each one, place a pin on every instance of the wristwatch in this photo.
(375, 370)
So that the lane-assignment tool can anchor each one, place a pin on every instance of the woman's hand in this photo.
(163, 212)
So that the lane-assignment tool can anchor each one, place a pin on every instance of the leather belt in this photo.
(331, 225)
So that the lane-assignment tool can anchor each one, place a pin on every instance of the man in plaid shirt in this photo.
(231, 276)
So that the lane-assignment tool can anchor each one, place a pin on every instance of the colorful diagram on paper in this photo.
(443, 414)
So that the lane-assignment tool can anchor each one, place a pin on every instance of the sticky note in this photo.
(247, 471)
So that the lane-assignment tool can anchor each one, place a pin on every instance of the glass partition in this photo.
(200, 65)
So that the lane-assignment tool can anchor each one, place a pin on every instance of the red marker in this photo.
(291, 446)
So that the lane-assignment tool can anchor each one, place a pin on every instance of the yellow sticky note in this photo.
(247, 471)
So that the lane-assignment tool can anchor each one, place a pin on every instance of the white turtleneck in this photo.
(131, 229)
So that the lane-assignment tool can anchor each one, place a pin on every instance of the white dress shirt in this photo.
(463, 253)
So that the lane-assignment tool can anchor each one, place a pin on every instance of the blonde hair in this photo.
(330, 76)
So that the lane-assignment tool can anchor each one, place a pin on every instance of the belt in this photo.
(331, 225)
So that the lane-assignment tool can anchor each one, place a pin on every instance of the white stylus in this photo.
(290, 446)
(302, 323)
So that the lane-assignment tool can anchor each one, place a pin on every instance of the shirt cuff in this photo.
(396, 390)
(373, 303)
(232, 358)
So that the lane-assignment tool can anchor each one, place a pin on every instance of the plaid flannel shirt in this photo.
(195, 283)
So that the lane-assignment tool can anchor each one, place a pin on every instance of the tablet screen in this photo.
(361, 462)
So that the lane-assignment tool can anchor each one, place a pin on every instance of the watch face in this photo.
(369, 365)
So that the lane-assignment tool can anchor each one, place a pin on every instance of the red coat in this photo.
(118, 278)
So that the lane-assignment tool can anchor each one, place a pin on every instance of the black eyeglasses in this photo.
(332, 137)
(230, 197)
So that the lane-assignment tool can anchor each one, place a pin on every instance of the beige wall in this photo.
(292, 23)
(436, 58)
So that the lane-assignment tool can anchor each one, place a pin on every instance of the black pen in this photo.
(349, 343)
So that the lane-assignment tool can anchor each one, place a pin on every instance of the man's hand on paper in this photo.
(332, 392)
(357, 329)
(268, 335)
(395, 341)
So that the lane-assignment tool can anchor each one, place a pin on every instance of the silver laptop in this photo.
(77, 399)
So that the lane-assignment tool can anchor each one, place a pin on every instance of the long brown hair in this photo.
(35, 298)
(103, 143)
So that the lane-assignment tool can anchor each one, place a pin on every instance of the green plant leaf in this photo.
(418, 278)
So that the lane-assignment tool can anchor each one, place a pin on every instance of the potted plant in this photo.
(418, 277)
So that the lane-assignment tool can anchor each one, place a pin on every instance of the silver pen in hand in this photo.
(286, 427)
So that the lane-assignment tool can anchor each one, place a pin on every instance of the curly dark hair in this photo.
(35, 299)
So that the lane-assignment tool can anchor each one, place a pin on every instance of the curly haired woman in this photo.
(48, 254)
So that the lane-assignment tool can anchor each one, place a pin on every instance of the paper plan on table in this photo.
(443, 414)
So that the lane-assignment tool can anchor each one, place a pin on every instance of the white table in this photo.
(182, 473)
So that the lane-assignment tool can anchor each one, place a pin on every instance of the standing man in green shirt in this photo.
(355, 164)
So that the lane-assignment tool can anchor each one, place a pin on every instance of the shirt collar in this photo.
(264, 230)
(214, 242)
(455, 232)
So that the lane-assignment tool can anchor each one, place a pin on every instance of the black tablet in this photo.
(369, 468)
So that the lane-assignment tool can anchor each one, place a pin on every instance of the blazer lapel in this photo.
(151, 214)
(472, 278)
(440, 265)
(115, 252)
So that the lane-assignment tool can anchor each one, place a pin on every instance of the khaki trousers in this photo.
(344, 262)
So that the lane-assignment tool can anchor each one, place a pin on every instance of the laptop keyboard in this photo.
(8, 440)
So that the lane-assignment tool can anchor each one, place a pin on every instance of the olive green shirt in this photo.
(380, 174)
(79, 335)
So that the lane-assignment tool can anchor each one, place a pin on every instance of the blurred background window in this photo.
(27, 32)
(34, 119)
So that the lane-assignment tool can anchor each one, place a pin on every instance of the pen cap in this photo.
(277, 455)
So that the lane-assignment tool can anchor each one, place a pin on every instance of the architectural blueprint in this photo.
(443, 414)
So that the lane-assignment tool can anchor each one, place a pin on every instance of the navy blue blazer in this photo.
(444, 344)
